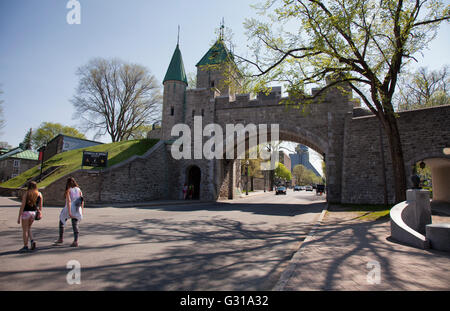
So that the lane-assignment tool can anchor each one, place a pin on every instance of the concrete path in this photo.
(243, 244)
(345, 253)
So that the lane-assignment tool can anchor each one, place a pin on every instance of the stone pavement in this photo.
(345, 252)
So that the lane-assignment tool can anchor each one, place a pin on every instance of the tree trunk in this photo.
(398, 163)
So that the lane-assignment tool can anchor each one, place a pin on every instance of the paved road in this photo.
(235, 245)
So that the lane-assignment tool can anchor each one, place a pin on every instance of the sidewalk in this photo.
(252, 193)
(343, 251)
(9, 202)
(13, 202)
(148, 203)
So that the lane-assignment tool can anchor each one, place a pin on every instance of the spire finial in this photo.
(178, 38)
(222, 27)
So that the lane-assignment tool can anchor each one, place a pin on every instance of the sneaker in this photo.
(58, 242)
(23, 249)
(33, 245)
(74, 244)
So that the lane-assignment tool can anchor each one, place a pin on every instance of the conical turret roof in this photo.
(176, 72)
(217, 54)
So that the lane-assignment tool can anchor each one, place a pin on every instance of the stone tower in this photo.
(217, 70)
(174, 98)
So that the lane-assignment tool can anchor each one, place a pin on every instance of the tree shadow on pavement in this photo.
(212, 254)
(341, 249)
(255, 208)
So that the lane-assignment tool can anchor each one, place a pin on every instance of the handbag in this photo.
(38, 215)
(38, 211)
(78, 202)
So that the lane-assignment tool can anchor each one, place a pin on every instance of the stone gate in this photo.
(354, 147)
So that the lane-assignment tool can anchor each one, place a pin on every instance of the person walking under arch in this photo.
(31, 204)
(185, 190)
(73, 210)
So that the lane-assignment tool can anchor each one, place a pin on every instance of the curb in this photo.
(251, 194)
(289, 271)
(145, 204)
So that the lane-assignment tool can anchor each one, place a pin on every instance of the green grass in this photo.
(365, 211)
(70, 161)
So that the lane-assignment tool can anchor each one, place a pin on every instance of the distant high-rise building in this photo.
(302, 157)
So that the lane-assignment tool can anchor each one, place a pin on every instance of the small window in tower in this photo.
(212, 83)
(172, 111)
(203, 112)
(193, 113)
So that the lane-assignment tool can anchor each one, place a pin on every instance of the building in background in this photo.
(16, 161)
(61, 143)
(285, 160)
(302, 157)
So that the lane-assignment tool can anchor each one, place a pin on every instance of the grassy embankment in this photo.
(70, 161)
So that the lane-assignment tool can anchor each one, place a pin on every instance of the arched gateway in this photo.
(349, 137)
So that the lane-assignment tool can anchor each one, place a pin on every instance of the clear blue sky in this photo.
(40, 52)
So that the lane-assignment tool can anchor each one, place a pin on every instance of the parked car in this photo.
(280, 190)
(309, 188)
(297, 188)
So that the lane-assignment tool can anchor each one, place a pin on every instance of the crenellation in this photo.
(349, 137)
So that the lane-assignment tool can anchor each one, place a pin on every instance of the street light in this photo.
(246, 176)
(41, 158)
(264, 180)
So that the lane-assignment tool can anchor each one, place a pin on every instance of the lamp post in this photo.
(41, 157)
(246, 177)
(264, 172)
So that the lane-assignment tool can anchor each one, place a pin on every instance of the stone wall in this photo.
(424, 134)
(140, 178)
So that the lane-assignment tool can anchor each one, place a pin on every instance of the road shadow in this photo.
(254, 208)
(204, 254)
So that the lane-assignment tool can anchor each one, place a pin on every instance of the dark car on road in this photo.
(280, 190)
(297, 188)
(320, 189)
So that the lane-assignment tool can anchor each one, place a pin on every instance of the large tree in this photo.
(361, 43)
(282, 173)
(424, 88)
(304, 176)
(48, 130)
(116, 97)
(26, 143)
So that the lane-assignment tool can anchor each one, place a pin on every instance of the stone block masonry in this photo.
(140, 178)
(424, 134)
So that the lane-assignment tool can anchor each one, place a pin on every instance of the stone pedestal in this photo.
(439, 236)
(418, 213)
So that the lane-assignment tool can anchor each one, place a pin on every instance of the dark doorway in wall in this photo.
(194, 178)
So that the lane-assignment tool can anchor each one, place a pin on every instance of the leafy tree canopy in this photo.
(48, 130)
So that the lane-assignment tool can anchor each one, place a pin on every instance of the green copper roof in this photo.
(26, 155)
(217, 54)
(18, 153)
(176, 68)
